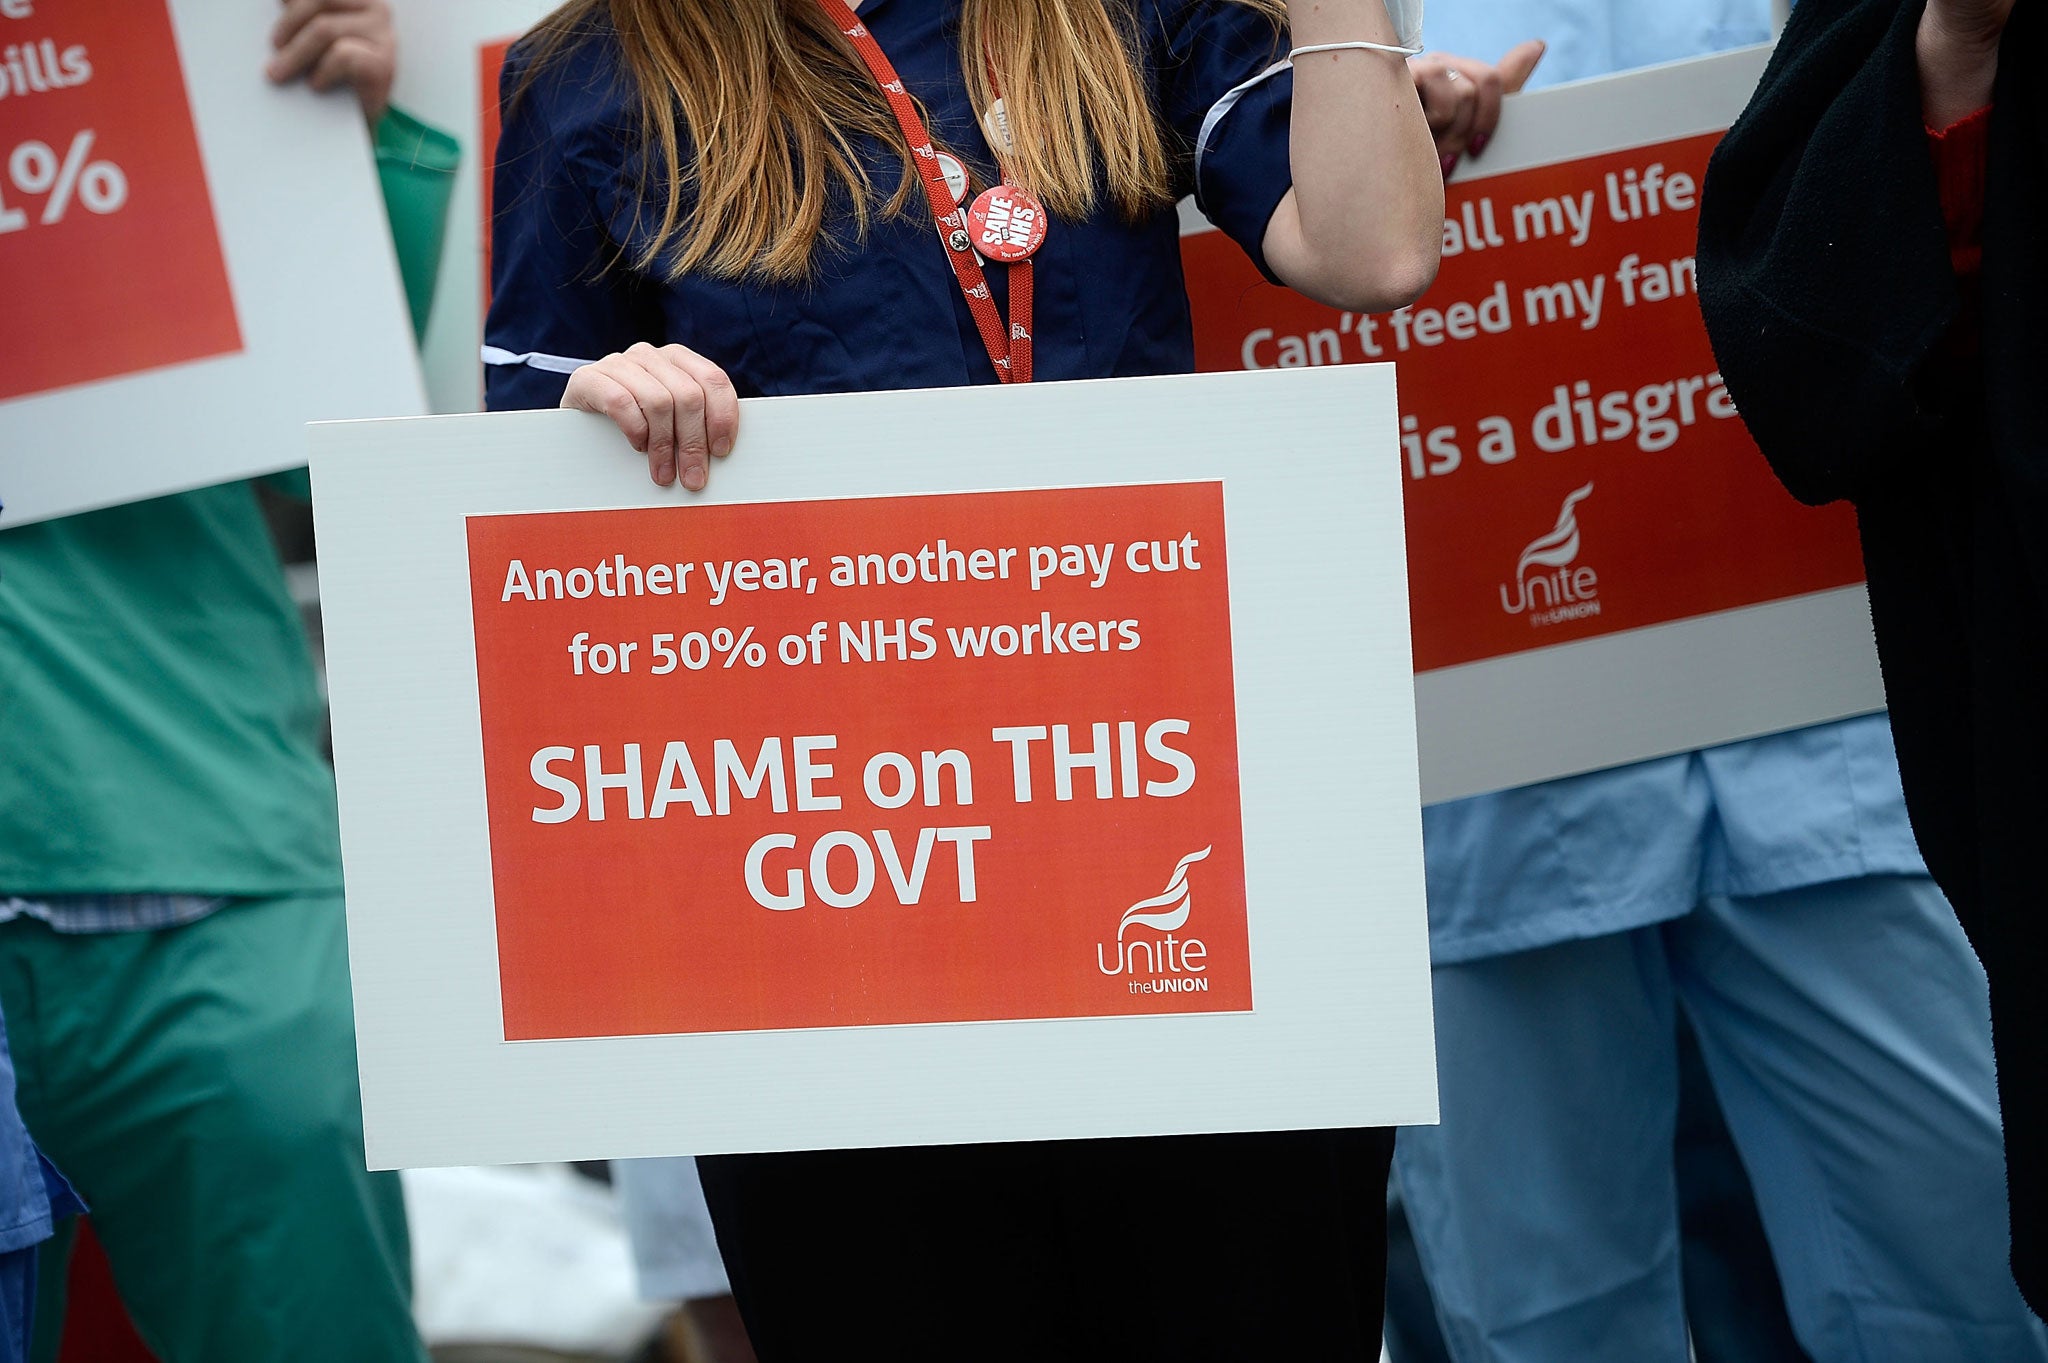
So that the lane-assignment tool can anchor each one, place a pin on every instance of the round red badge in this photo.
(1008, 223)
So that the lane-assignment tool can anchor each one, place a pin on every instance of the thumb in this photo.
(1520, 62)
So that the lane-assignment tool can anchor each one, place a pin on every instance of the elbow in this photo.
(1370, 259)
(1382, 279)
(1406, 275)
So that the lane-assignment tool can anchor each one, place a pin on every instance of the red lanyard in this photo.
(1009, 348)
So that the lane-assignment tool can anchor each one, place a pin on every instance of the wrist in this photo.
(1958, 66)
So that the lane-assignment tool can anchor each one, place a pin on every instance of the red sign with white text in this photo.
(1575, 466)
(107, 236)
(869, 761)
(490, 62)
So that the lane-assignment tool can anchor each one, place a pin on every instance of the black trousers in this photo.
(1229, 1247)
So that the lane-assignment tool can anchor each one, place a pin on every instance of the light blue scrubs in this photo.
(1594, 37)
(1773, 890)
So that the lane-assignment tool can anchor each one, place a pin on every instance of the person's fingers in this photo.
(1506, 79)
(670, 403)
(1519, 64)
(1440, 94)
(322, 31)
(361, 64)
(1456, 135)
(646, 416)
(721, 399)
(1421, 68)
(657, 408)
(594, 389)
(692, 446)
(298, 13)
(1488, 89)
(1451, 89)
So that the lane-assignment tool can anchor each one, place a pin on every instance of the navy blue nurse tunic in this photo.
(885, 313)
(1229, 1247)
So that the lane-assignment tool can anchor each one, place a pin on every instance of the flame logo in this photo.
(1176, 895)
(1561, 545)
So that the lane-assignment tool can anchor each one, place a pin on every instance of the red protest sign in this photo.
(1574, 465)
(943, 758)
(490, 60)
(107, 235)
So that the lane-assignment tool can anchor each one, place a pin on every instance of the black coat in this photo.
(1825, 278)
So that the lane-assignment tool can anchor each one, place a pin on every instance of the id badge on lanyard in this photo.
(1006, 223)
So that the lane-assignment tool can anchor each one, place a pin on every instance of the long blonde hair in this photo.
(773, 99)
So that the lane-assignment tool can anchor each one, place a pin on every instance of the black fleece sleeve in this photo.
(1823, 259)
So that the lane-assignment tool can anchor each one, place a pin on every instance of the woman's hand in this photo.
(1461, 97)
(333, 43)
(676, 407)
(1957, 46)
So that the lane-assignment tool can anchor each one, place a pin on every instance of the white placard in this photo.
(323, 329)
(1339, 1031)
(1667, 688)
(1613, 698)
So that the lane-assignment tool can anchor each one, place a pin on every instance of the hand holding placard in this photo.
(332, 43)
(1461, 96)
(672, 405)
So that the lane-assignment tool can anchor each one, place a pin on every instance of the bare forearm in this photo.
(1363, 224)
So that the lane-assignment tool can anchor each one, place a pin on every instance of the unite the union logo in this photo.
(1180, 963)
(1548, 587)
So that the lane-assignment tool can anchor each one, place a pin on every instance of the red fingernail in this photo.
(1449, 163)
(1479, 143)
